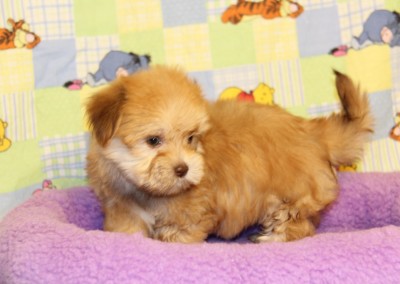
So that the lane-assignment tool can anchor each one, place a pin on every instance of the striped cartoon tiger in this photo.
(268, 9)
(19, 36)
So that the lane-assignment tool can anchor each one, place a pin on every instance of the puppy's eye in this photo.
(154, 141)
(192, 140)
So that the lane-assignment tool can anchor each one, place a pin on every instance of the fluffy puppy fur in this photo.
(166, 162)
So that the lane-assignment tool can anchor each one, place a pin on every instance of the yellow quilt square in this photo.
(188, 46)
(275, 40)
(16, 72)
(138, 15)
(370, 67)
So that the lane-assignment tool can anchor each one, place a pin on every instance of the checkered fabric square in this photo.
(91, 50)
(323, 109)
(275, 40)
(64, 157)
(188, 46)
(352, 15)
(138, 15)
(16, 66)
(53, 18)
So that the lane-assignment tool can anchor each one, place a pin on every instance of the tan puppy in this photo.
(166, 162)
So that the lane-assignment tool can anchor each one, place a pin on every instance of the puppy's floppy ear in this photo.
(104, 111)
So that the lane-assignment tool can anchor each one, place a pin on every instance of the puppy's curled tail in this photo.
(345, 133)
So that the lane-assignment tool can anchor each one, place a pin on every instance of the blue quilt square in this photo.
(206, 82)
(318, 31)
(178, 12)
(54, 63)
(382, 110)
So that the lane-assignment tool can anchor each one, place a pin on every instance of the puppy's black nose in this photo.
(181, 170)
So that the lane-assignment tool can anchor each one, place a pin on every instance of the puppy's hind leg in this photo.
(284, 225)
(297, 218)
(288, 231)
(270, 223)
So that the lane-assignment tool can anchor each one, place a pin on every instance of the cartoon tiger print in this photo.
(19, 36)
(268, 9)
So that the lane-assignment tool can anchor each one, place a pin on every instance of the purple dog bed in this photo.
(56, 237)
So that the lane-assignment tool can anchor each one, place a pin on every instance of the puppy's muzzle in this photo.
(181, 170)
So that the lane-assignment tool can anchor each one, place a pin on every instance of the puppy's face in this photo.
(150, 126)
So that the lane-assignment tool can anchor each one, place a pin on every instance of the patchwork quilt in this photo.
(54, 54)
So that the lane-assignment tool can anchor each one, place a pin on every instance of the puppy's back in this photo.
(257, 156)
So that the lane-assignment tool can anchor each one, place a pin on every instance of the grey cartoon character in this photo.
(381, 27)
(113, 65)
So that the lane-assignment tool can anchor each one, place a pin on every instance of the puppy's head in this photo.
(150, 125)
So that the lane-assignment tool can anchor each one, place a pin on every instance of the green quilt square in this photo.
(319, 80)
(232, 44)
(392, 5)
(149, 42)
(20, 166)
(90, 21)
(58, 112)
(298, 111)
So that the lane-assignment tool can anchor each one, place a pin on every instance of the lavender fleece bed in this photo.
(56, 237)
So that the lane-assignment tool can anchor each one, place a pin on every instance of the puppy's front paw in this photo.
(165, 233)
(173, 232)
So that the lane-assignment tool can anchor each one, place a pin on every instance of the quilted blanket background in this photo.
(60, 55)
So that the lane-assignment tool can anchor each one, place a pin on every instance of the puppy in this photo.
(165, 162)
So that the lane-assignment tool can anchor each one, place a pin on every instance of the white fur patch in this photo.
(121, 155)
(196, 169)
(146, 217)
